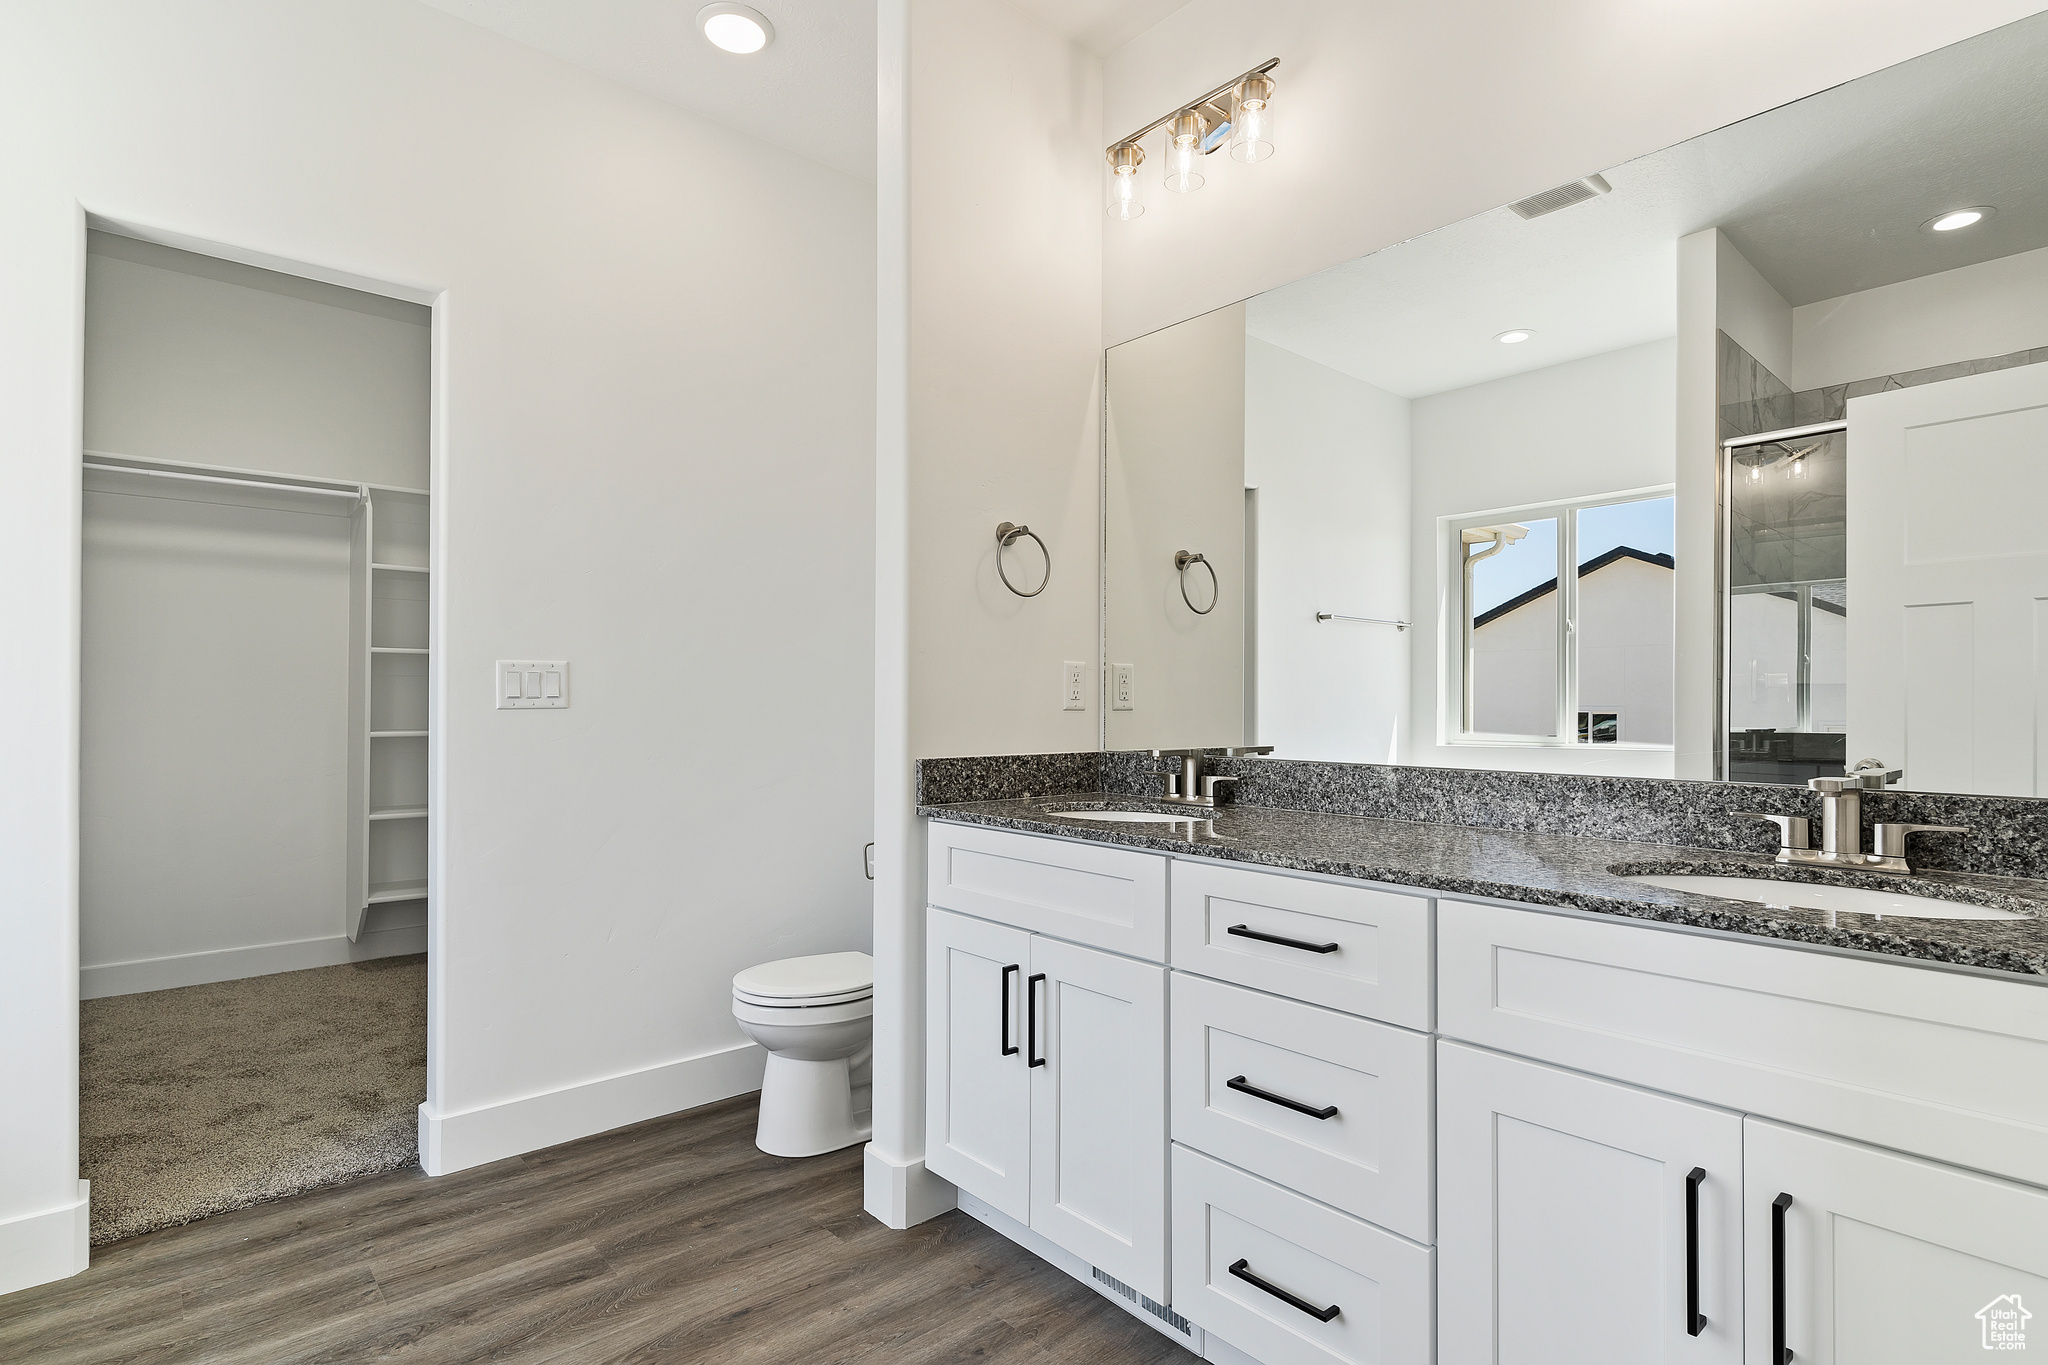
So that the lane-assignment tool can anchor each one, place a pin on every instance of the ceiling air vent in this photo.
(1563, 197)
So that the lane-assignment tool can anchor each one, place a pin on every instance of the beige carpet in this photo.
(208, 1098)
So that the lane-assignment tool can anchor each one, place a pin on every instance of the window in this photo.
(1588, 664)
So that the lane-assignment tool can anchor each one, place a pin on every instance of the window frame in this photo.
(1453, 653)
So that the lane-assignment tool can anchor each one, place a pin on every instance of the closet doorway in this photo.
(253, 735)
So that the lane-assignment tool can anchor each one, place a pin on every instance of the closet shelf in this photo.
(400, 813)
(402, 568)
(395, 649)
(380, 892)
(398, 734)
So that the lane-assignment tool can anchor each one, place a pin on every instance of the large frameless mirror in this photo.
(1726, 462)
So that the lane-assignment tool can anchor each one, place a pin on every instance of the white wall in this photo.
(1972, 313)
(1753, 314)
(653, 415)
(205, 361)
(1588, 427)
(1329, 456)
(1396, 118)
(989, 395)
(1174, 480)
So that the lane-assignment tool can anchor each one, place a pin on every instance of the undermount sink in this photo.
(1813, 896)
(1135, 817)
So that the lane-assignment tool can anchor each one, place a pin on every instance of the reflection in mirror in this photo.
(1583, 484)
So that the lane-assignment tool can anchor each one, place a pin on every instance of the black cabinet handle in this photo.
(1328, 1111)
(1031, 1054)
(1781, 1354)
(1003, 1003)
(1695, 1321)
(1319, 1314)
(1245, 931)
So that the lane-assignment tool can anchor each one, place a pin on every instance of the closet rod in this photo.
(350, 493)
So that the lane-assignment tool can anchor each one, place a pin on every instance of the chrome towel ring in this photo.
(1181, 560)
(1006, 535)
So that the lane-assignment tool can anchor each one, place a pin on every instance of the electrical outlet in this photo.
(1074, 686)
(1122, 690)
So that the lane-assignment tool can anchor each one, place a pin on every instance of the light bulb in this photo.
(735, 28)
(1797, 469)
(1252, 120)
(1124, 161)
(1184, 134)
(1756, 472)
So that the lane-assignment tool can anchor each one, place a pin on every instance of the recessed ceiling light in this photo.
(1516, 337)
(1959, 218)
(735, 28)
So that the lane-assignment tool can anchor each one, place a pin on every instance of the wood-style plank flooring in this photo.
(671, 1241)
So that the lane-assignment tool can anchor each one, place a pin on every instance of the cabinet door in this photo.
(1874, 1258)
(1098, 1109)
(1563, 1236)
(977, 1089)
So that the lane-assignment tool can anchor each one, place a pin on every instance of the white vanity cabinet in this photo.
(1045, 1066)
(1859, 1256)
(1410, 1130)
(1583, 1222)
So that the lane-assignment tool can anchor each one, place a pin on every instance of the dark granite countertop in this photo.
(1558, 870)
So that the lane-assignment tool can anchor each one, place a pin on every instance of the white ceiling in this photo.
(1825, 197)
(812, 90)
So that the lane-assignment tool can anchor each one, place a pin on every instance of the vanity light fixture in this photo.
(1237, 114)
(1515, 336)
(735, 28)
(1959, 218)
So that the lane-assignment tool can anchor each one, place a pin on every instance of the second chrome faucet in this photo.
(1841, 825)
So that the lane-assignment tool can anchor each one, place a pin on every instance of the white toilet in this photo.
(815, 1015)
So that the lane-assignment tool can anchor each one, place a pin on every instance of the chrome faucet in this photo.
(1183, 784)
(1841, 825)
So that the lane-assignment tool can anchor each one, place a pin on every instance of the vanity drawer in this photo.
(1379, 1284)
(1112, 898)
(1353, 948)
(1371, 1157)
(1914, 1058)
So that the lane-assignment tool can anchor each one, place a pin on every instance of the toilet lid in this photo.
(825, 979)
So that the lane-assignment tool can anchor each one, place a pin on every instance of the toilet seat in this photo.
(807, 982)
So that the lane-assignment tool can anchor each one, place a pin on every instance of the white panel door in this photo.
(977, 1088)
(1948, 492)
(1571, 1226)
(1095, 1039)
(1859, 1256)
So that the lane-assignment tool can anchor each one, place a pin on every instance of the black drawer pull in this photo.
(1695, 1321)
(1003, 1003)
(1032, 1056)
(1319, 1314)
(1781, 1354)
(1245, 931)
(1328, 1111)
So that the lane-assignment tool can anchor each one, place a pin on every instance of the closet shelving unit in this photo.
(387, 661)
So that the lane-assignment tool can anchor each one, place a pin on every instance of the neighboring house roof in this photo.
(1619, 552)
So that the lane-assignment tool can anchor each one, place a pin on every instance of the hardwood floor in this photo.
(672, 1241)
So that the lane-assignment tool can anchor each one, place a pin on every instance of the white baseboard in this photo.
(901, 1194)
(1046, 1250)
(232, 964)
(52, 1245)
(456, 1142)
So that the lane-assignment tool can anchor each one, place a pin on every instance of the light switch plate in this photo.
(1074, 686)
(532, 684)
(1122, 688)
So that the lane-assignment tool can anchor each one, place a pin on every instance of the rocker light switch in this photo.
(532, 684)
